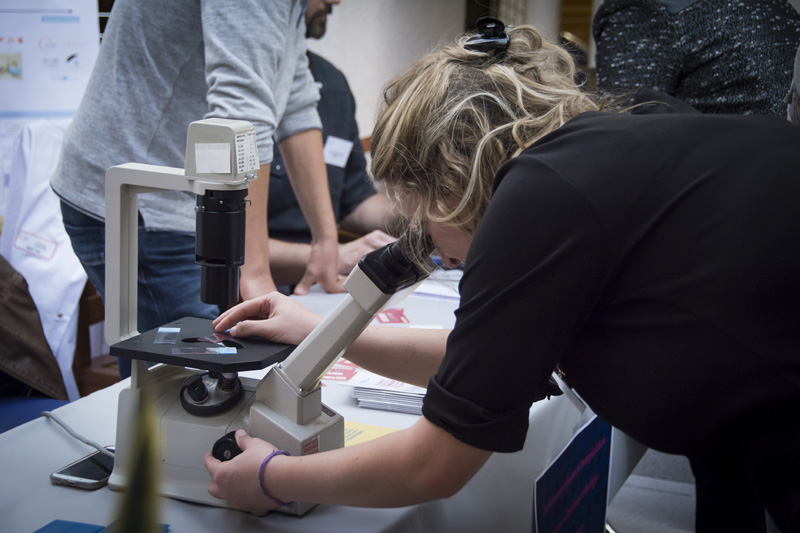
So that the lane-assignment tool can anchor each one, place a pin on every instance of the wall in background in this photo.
(373, 41)
(545, 15)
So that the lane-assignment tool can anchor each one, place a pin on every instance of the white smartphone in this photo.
(90, 472)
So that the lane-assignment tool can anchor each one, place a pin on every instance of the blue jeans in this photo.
(169, 279)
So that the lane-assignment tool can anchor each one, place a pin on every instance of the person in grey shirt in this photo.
(163, 65)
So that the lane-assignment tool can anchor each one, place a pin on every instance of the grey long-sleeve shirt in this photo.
(163, 65)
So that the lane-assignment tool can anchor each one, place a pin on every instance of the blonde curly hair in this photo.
(454, 117)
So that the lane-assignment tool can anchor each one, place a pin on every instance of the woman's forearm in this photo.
(408, 355)
(411, 466)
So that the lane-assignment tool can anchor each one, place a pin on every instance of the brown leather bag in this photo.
(25, 354)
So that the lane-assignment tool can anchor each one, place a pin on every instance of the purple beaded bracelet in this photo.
(261, 476)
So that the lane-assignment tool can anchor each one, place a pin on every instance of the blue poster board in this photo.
(571, 494)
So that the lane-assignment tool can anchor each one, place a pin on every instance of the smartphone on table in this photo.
(90, 472)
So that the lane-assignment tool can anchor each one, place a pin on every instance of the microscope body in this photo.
(221, 160)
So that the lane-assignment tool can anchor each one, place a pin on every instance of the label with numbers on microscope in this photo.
(246, 152)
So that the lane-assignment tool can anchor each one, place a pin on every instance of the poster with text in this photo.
(47, 51)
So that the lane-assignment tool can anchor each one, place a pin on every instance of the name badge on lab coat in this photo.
(337, 151)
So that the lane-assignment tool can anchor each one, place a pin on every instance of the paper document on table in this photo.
(441, 284)
(372, 391)
(358, 432)
(377, 392)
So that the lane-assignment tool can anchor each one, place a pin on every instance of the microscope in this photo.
(199, 398)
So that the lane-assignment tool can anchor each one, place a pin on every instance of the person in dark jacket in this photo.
(717, 56)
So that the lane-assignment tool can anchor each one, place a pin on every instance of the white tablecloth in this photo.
(498, 498)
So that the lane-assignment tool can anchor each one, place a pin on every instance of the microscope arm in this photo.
(124, 183)
(319, 351)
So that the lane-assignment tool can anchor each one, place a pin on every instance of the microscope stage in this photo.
(193, 347)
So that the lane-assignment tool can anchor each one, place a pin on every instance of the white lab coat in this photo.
(37, 246)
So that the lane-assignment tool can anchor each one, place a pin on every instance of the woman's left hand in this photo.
(237, 480)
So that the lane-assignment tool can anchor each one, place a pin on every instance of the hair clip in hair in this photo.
(491, 38)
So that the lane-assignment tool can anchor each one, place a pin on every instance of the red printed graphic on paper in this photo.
(392, 316)
(343, 370)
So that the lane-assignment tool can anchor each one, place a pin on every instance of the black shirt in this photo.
(655, 258)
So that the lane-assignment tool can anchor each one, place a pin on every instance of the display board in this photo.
(47, 51)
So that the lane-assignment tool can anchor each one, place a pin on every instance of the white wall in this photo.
(371, 41)
(544, 15)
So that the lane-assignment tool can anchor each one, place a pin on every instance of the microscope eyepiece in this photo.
(399, 264)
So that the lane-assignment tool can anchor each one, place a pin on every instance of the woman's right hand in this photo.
(274, 316)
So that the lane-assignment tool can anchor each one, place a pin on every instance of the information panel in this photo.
(47, 51)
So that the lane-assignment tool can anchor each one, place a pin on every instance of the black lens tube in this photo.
(219, 244)
(393, 267)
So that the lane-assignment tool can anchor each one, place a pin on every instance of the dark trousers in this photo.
(753, 468)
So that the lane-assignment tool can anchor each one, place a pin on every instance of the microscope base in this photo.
(183, 439)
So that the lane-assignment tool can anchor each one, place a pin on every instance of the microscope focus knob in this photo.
(226, 448)
(196, 388)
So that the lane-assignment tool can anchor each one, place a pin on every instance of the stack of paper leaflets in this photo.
(376, 392)
(372, 391)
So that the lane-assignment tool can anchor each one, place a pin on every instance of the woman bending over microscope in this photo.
(650, 254)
